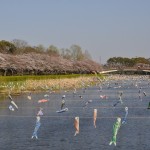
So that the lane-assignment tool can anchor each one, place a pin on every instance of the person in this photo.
(76, 125)
(126, 113)
(37, 126)
(116, 128)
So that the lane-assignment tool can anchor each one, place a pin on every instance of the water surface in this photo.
(57, 130)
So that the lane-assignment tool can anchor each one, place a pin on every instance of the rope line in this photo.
(84, 100)
(82, 107)
(15, 116)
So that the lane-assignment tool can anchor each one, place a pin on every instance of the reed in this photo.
(19, 84)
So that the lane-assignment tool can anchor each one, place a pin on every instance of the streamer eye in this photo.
(126, 108)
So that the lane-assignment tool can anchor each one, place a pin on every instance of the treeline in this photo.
(17, 46)
(127, 62)
(18, 58)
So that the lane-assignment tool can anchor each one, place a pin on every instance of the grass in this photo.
(19, 84)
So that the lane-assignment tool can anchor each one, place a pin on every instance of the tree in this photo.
(87, 55)
(141, 60)
(53, 50)
(112, 62)
(148, 60)
(29, 49)
(66, 53)
(40, 48)
(7, 47)
(126, 62)
(76, 52)
(20, 45)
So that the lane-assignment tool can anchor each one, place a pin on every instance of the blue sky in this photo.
(106, 28)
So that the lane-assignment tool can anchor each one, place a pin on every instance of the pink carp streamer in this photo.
(42, 101)
(103, 97)
(76, 125)
(94, 117)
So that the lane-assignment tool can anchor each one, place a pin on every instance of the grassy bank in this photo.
(19, 84)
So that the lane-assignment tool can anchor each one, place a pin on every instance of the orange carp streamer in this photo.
(94, 117)
(76, 125)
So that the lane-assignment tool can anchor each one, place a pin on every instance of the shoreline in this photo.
(53, 85)
(58, 84)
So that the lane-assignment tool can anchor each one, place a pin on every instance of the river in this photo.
(57, 129)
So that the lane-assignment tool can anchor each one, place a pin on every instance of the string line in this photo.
(135, 117)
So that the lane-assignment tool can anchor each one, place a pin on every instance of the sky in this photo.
(105, 28)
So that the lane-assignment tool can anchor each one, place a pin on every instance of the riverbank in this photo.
(55, 83)
(21, 84)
